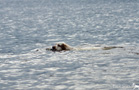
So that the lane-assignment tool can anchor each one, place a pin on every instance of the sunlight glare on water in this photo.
(28, 27)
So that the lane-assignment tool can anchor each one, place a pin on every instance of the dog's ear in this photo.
(63, 46)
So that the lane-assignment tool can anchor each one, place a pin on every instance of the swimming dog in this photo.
(65, 47)
(60, 47)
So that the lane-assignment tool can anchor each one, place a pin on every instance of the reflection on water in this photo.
(27, 28)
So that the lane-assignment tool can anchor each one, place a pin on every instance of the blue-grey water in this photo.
(30, 25)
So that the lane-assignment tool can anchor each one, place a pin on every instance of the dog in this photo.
(60, 47)
(65, 47)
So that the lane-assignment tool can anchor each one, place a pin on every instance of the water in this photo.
(28, 25)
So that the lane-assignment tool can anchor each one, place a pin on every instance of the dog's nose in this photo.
(53, 48)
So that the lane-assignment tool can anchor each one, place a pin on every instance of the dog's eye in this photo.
(58, 45)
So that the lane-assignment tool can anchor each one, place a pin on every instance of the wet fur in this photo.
(65, 47)
(60, 47)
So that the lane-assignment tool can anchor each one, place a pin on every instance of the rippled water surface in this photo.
(30, 25)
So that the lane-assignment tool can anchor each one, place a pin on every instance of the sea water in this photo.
(28, 27)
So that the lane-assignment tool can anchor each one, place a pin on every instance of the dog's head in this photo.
(61, 47)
